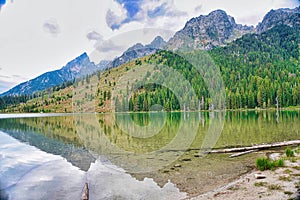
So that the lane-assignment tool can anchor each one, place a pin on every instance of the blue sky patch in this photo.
(115, 26)
(158, 11)
(2, 2)
(132, 6)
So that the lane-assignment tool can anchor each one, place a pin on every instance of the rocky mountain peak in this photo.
(286, 16)
(77, 61)
(157, 43)
(135, 47)
(207, 31)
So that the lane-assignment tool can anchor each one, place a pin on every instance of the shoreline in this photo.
(294, 108)
(282, 183)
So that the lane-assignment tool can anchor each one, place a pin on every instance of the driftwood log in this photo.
(242, 153)
(256, 147)
(85, 193)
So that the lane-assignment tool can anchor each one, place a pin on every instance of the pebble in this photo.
(259, 176)
(274, 156)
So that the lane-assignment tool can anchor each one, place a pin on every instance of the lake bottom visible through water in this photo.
(130, 156)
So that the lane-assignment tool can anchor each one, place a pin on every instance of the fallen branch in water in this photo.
(257, 147)
(236, 149)
(242, 153)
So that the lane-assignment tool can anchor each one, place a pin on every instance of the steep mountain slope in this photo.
(77, 68)
(207, 31)
(261, 68)
(286, 16)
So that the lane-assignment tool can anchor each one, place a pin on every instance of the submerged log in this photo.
(85, 194)
(257, 147)
(242, 153)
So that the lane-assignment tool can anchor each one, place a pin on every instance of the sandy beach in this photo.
(281, 184)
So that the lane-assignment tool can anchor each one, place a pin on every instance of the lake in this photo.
(131, 155)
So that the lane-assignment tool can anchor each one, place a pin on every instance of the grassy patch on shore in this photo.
(260, 184)
(289, 152)
(267, 164)
(274, 187)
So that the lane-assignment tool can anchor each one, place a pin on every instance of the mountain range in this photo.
(204, 32)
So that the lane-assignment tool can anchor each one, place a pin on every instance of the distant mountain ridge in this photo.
(76, 68)
(138, 51)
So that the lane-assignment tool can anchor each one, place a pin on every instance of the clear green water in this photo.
(139, 143)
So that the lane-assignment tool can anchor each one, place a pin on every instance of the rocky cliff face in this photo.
(283, 16)
(207, 31)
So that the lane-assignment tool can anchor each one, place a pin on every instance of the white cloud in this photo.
(107, 46)
(150, 14)
(9, 81)
(168, 7)
(112, 20)
(94, 35)
(4, 86)
(175, 13)
(51, 26)
(115, 15)
(198, 9)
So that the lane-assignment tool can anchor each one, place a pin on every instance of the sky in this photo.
(37, 36)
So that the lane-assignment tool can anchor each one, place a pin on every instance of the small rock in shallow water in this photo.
(259, 176)
(177, 165)
(186, 159)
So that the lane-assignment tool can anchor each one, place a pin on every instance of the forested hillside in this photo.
(256, 70)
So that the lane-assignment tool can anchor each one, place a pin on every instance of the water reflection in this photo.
(133, 147)
(30, 131)
(125, 143)
(3, 194)
(143, 141)
(28, 173)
